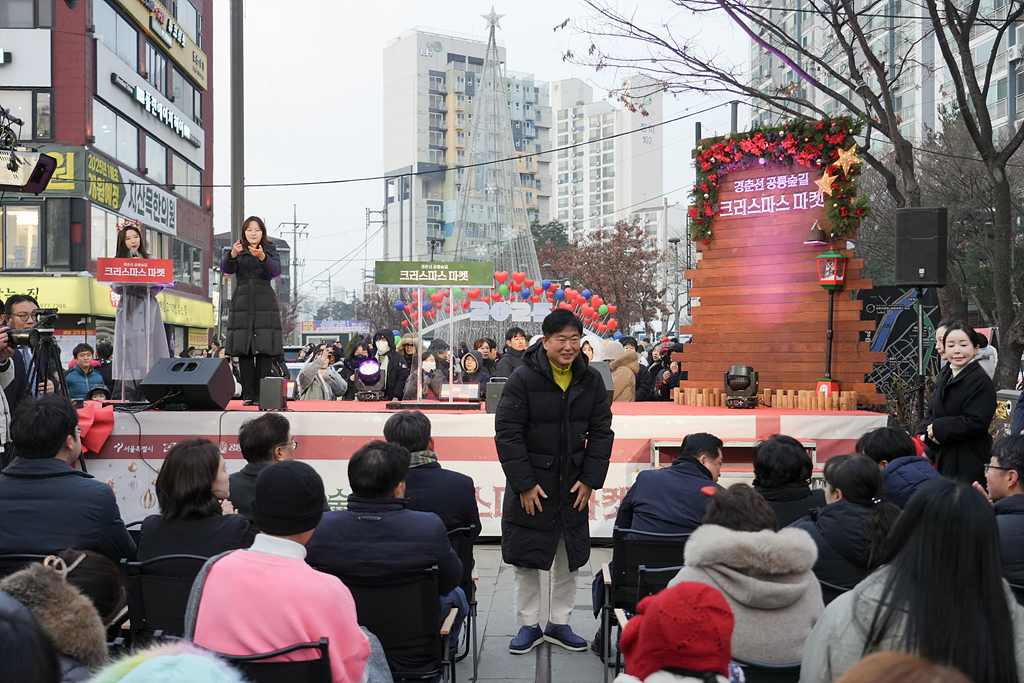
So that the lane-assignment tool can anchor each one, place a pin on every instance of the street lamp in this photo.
(674, 241)
(831, 275)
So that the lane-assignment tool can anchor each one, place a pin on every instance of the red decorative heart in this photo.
(501, 276)
(519, 277)
(474, 293)
(596, 301)
(437, 297)
(612, 309)
(528, 283)
(534, 298)
(537, 290)
(405, 323)
(601, 327)
(496, 296)
(465, 304)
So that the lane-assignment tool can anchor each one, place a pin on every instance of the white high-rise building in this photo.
(430, 78)
(614, 165)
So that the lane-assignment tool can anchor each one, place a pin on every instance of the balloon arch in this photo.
(513, 298)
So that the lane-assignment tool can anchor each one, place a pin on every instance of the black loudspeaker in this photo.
(273, 393)
(494, 388)
(921, 247)
(605, 370)
(190, 383)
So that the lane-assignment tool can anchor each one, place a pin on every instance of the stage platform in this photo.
(328, 433)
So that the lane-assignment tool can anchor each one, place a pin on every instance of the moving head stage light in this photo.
(741, 387)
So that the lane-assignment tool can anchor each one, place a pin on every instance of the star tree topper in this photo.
(493, 18)
(847, 158)
(825, 184)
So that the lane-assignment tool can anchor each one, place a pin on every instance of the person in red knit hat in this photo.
(681, 635)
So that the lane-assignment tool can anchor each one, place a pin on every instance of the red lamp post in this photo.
(831, 275)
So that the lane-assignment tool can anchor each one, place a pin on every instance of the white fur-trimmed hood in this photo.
(788, 551)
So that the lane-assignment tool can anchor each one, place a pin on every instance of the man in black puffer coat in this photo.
(1006, 491)
(554, 441)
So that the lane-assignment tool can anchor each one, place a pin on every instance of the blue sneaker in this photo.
(561, 634)
(528, 638)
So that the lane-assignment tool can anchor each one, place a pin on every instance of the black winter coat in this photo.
(791, 502)
(645, 390)
(46, 506)
(507, 364)
(254, 322)
(667, 501)
(552, 438)
(840, 531)
(1010, 518)
(961, 411)
(208, 536)
(449, 495)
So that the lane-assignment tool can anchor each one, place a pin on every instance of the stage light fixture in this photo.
(816, 236)
(369, 381)
(741, 387)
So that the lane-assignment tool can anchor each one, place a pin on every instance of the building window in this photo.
(156, 161)
(436, 82)
(187, 179)
(115, 32)
(103, 229)
(22, 236)
(115, 136)
(190, 20)
(188, 263)
(608, 158)
(156, 68)
(32, 107)
(186, 97)
(26, 13)
(608, 184)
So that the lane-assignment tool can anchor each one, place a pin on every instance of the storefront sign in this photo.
(198, 338)
(434, 274)
(141, 270)
(164, 114)
(131, 196)
(157, 21)
(335, 326)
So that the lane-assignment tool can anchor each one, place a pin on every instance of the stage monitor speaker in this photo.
(921, 247)
(605, 370)
(493, 396)
(273, 393)
(190, 383)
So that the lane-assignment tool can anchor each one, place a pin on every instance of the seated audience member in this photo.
(473, 372)
(899, 667)
(669, 500)
(1003, 476)
(850, 531)
(67, 616)
(169, 661)
(512, 356)
(27, 654)
(195, 515)
(429, 487)
(765, 575)
(266, 597)
(623, 365)
(99, 579)
(903, 470)
(782, 474)
(98, 393)
(939, 593)
(82, 376)
(645, 390)
(264, 440)
(680, 635)
(46, 505)
(319, 381)
(377, 537)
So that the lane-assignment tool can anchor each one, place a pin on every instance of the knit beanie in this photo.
(438, 345)
(688, 626)
(289, 498)
(613, 350)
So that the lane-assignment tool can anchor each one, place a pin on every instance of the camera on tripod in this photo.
(31, 336)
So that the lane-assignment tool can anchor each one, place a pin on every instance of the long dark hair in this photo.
(861, 482)
(264, 240)
(946, 584)
(122, 249)
(184, 487)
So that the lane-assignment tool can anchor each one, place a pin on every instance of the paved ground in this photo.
(497, 626)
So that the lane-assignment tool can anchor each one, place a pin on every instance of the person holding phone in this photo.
(254, 322)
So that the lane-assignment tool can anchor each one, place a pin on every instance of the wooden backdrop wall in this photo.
(760, 303)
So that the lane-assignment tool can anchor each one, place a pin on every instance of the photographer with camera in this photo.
(21, 313)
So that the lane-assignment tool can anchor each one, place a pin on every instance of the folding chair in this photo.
(403, 614)
(135, 531)
(652, 580)
(16, 562)
(630, 549)
(157, 602)
(258, 670)
(462, 542)
(762, 672)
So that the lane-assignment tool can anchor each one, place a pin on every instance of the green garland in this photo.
(814, 144)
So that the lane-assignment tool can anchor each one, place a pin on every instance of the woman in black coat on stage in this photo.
(254, 323)
(956, 425)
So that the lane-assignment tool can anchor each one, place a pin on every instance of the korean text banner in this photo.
(434, 274)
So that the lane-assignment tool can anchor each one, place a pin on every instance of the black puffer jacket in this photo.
(1010, 518)
(793, 501)
(507, 364)
(841, 532)
(552, 438)
(397, 373)
(645, 389)
(254, 323)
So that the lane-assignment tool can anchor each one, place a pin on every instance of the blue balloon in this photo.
(559, 294)
(399, 305)
(586, 295)
(617, 335)
(396, 333)
(426, 305)
(526, 295)
(545, 284)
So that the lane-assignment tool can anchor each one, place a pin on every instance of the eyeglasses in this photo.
(989, 468)
(24, 317)
(295, 444)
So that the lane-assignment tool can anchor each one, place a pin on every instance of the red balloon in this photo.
(465, 304)
(596, 301)
(474, 293)
(515, 286)
(601, 327)
(405, 323)
(437, 297)
(496, 296)
(537, 289)
(612, 309)
(613, 323)
(528, 283)
(501, 276)
(534, 298)
(519, 277)
(587, 310)
(554, 286)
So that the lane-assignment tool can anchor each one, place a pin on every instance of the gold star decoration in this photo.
(847, 158)
(825, 184)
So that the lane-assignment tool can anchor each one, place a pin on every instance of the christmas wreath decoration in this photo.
(827, 144)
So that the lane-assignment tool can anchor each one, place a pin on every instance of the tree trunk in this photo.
(951, 301)
(1002, 276)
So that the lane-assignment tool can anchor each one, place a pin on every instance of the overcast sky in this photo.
(314, 112)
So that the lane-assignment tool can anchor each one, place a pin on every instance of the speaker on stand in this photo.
(190, 383)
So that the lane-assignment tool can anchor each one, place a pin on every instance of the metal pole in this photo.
(689, 244)
(828, 336)
(920, 354)
(735, 116)
(400, 197)
(237, 122)
(295, 256)
(674, 241)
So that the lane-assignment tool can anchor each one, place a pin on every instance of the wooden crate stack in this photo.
(790, 399)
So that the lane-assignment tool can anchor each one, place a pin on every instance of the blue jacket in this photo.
(1010, 518)
(449, 495)
(80, 383)
(378, 538)
(46, 506)
(667, 501)
(904, 475)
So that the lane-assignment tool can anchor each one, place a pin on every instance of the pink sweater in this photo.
(252, 603)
